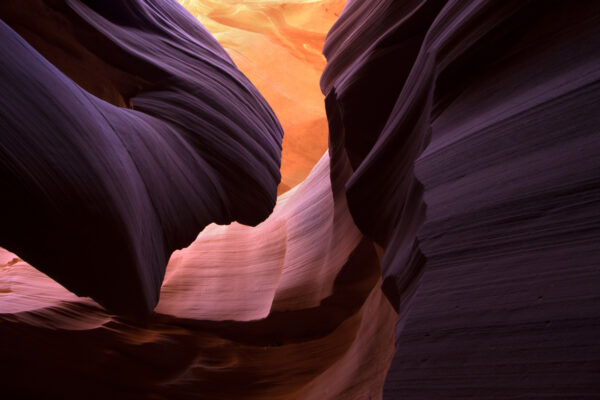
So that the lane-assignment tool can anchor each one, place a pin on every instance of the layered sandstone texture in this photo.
(278, 45)
(152, 135)
(473, 131)
(445, 245)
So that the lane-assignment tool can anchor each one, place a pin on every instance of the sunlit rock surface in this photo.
(277, 44)
(472, 128)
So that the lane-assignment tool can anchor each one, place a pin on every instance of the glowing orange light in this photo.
(277, 44)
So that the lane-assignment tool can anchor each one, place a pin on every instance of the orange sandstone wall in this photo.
(277, 45)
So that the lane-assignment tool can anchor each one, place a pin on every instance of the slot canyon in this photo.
(299, 199)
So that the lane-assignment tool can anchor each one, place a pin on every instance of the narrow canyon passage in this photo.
(278, 46)
(302, 199)
(289, 308)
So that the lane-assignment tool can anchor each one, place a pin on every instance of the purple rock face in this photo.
(98, 196)
(463, 142)
(480, 178)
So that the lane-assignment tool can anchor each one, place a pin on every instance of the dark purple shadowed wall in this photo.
(99, 196)
(472, 128)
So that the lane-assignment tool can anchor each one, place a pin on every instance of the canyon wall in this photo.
(445, 246)
(472, 130)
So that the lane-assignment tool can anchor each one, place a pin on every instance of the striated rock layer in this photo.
(251, 313)
(98, 195)
(278, 45)
(472, 130)
(291, 308)
(458, 201)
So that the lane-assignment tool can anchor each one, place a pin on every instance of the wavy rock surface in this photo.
(292, 321)
(463, 145)
(277, 44)
(289, 309)
(472, 128)
(101, 195)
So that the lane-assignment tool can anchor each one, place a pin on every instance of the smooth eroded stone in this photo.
(98, 194)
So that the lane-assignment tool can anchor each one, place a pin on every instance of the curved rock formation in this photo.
(270, 317)
(458, 203)
(472, 131)
(277, 44)
(101, 195)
